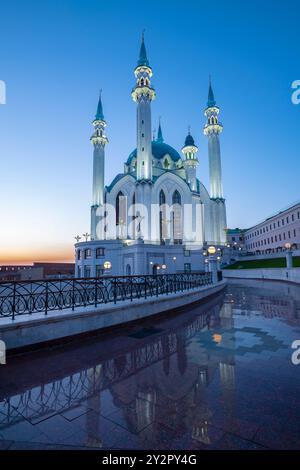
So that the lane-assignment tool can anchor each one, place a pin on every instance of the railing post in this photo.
(14, 302)
(46, 299)
(96, 290)
(115, 291)
(145, 284)
(130, 280)
(73, 295)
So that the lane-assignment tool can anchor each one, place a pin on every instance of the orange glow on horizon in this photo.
(25, 255)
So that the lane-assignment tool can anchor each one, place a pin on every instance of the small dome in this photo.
(159, 150)
(189, 141)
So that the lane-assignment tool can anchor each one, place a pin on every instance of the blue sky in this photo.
(54, 57)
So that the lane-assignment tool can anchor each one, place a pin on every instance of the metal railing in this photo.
(28, 297)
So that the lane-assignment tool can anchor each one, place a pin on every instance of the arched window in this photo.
(120, 212)
(162, 216)
(177, 217)
(133, 217)
(166, 163)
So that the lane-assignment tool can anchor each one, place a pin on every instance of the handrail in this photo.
(42, 296)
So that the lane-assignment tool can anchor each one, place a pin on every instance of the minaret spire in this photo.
(99, 114)
(143, 60)
(211, 98)
(99, 140)
(160, 138)
(143, 94)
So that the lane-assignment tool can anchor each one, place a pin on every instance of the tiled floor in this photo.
(218, 376)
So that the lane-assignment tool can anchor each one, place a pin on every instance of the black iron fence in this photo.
(27, 297)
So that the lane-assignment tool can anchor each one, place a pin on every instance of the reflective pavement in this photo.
(215, 376)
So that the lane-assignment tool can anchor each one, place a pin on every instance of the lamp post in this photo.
(107, 265)
(212, 262)
(288, 255)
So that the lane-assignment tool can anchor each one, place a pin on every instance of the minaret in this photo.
(212, 129)
(99, 140)
(143, 94)
(191, 161)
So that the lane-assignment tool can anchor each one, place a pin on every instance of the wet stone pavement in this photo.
(216, 376)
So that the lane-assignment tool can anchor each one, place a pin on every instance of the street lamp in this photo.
(107, 265)
(211, 250)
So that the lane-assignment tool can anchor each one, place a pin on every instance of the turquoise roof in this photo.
(143, 60)
(211, 99)
(159, 150)
(99, 115)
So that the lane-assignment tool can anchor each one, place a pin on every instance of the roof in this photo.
(159, 150)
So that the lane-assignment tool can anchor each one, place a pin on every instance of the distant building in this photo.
(275, 232)
(12, 272)
(36, 271)
(235, 237)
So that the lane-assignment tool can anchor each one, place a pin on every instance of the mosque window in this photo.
(120, 207)
(177, 217)
(166, 163)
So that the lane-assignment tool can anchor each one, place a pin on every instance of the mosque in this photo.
(155, 216)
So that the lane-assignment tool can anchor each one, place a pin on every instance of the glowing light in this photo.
(217, 338)
(107, 264)
(211, 250)
(163, 266)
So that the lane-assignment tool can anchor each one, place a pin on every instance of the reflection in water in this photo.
(196, 379)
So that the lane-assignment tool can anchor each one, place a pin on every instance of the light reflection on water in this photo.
(218, 375)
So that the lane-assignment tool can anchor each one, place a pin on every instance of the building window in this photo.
(272, 239)
(177, 217)
(278, 223)
(282, 221)
(99, 271)
(120, 208)
(162, 216)
(275, 238)
(87, 271)
(294, 232)
(78, 254)
(279, 237)
(284, 235)
(99, 252)
(287, 220)
(187, 253)
(293, 217)
(187, 267)
(87, 253)
(143, 135)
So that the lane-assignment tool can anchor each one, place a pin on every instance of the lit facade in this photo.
(156, 214)
(275, 232)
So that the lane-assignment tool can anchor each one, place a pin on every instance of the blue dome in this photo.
(159, 150)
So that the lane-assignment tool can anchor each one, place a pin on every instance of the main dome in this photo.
(159, 150)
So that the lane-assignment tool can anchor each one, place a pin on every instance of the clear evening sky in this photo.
(56, 55)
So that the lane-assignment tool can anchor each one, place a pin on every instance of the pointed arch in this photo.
(162, 216)
(177, 229)
(119, 207)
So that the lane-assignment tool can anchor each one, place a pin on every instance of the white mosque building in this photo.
(155, 216)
